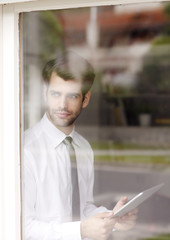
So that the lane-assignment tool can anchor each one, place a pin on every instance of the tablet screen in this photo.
(137, 200)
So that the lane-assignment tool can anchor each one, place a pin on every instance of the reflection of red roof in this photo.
(77, 21)
(139, 19)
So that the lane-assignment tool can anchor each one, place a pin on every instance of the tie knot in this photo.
(68, 140)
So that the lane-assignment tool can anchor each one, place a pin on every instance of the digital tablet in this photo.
(137, 200)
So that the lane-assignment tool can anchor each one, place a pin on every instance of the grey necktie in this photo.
(74, 178)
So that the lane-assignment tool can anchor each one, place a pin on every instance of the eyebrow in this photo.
(53, 91)
(70, 93)
(74, 93)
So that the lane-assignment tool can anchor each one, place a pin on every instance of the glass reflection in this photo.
(128, 118)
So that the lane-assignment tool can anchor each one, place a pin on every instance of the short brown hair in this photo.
(62, 67)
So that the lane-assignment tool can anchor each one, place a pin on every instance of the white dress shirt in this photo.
(47, 188)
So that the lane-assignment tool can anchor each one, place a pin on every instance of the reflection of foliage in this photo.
(165, 37)
(113, 145)
(144, 108)
(167, 10)
(155, 76)
(117, 90)
(166, 30)
(154, 161)
(160, 237)
(51, 34)
(161, 40)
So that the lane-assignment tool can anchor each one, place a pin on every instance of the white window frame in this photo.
(10, 126)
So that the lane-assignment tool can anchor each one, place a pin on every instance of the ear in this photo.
(86, 99)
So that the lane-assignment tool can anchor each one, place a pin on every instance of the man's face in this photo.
(64, 101)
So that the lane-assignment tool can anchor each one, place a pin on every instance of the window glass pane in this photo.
(127, 121)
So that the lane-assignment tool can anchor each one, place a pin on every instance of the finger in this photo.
(133, 212)
(130, 223)
(120, 203)
(110, 223)
(104, 215)
(127, 218)
(129, 215)
(125, 225)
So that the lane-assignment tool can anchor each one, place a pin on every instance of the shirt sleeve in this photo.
(35, 229)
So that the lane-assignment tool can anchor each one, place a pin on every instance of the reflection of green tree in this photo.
(160, 237)
(167, 13)
(51, 34)
(155, 75)
(165, 37)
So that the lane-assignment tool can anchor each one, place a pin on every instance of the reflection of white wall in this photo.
(125, 79)
(134, 61)
(129, 58)
(137, 52)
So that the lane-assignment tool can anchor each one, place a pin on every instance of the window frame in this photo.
(10, 103)
(1, 148)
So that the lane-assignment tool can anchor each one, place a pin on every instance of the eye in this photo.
(55, 94)
(73, 96)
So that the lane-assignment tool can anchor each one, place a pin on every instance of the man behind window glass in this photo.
(48, 186)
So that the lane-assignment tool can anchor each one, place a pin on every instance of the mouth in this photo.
(62, 114)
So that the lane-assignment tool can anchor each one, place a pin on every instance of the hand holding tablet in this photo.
(137, 200)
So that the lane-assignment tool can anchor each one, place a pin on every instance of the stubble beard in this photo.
(58, 122)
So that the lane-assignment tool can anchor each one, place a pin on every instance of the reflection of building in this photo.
(123, 37)
(115, 28)
(117, 42)
(114, 41)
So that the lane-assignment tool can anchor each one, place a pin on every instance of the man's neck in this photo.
(65, 130)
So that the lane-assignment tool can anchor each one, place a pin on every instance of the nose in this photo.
(63, 102)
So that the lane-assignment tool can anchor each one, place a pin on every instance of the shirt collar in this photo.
(55, 135)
